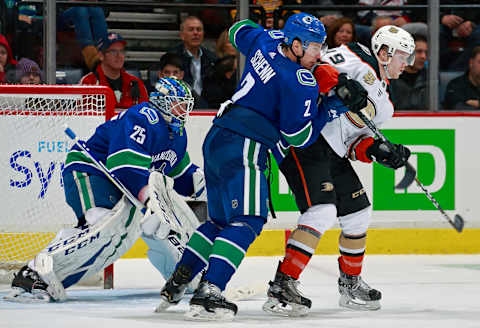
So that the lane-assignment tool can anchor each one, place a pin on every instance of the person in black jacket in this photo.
(463, 92)
(221, 85)
(462, 24)
(198, 61)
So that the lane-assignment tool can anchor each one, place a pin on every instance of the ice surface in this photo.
(418, 291)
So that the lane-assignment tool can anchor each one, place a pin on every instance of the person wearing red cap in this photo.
(128, 89)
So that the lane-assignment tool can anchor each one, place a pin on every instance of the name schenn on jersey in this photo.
(261, 66)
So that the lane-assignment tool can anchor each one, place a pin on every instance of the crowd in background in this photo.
(211, 71)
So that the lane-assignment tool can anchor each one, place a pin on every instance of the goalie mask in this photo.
(307, 29)
(173, 99)
(393, 38)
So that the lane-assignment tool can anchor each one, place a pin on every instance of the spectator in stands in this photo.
(364, 33)
(129, 90)
(342, 31)
(410, 90)
(221, 85)
(224, 47)
(24, 28)
(461, 25)
(28, 72)
(197, 60)
(416, 18)
(7, 63)
(171, 66)
(367, 16)
(90, 27)
(463, 92)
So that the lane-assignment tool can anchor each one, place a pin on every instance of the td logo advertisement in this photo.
(433, 156)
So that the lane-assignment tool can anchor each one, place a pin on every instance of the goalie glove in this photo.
(199, 188)
(391, 157)
(351, 92)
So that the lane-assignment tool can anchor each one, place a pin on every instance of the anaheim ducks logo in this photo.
(369, 111)
(393, 29)
(369, 78)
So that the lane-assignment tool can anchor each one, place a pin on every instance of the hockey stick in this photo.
(457, 222)
(69, 132)
(410, 173)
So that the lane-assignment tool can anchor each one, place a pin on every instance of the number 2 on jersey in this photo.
(307, 109)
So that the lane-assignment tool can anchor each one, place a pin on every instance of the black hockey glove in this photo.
(391, 158)
(351, 92)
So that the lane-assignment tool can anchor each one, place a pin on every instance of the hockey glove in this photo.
(351, 92)
(391, 158)
(333, 107)
(326, 76)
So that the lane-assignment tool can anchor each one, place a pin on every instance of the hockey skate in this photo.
(174, 289)
(28, 287)
(208, 304)
(356, 294)
(284, 298)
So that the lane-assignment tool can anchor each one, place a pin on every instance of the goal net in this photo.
(34, 147)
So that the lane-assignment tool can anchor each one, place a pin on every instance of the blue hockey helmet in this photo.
(173, 98)
(304, 27)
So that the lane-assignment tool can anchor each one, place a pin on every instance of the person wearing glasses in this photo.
(128, 89)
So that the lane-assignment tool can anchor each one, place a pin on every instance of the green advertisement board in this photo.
(433, 155)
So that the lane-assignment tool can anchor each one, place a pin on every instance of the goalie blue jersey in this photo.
(277, 90)
(133, 143)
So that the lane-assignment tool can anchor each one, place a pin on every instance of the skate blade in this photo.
(356, 304)
(163, 305)
(273, 306)
(18, 295)
(198, 313)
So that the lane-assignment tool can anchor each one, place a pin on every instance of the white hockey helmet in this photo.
(394, 38)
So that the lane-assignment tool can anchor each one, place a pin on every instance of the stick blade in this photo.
(458, 223)
(408, 178)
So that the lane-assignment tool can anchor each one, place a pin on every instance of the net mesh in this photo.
(34, 147)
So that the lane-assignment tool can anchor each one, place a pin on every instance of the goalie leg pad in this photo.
(95, 247)
(164, 255)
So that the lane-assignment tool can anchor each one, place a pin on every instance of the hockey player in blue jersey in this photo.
(275, 100)
(148, 137)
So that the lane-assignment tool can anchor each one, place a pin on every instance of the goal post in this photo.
(34, 147)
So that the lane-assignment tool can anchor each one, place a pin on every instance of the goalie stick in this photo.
(411, 175)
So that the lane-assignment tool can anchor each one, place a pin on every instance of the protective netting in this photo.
(34, 146)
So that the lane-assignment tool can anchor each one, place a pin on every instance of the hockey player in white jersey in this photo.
(324, 183)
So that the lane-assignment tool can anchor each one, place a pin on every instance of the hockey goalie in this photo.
(144, 148)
